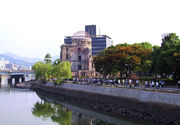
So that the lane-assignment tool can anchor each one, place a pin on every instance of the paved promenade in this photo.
(173, 89)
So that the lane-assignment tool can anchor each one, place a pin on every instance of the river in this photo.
(25, 107)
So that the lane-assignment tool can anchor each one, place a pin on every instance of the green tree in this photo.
(145, 55)
(155, 58)
(56, 62)
(42, 71)
(61, 71)
(46, 71)
(145, 45)
(47, 58)
(37, 68)
(165, 59)
(168, 55)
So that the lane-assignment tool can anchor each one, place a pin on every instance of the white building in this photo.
(3, 63)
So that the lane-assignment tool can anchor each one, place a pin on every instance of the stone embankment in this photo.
(160, 107)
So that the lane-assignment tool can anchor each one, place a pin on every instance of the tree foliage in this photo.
(57, 71)
(56, 62)
(61, 71)
(42, 71)
(57, 113)
(43, 109)
(47, 58)
(166, 57)
(123, 58)
(141, 57)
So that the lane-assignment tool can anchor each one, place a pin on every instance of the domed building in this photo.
(79, 53)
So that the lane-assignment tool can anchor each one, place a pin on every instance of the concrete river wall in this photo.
(161, 107)
(140, 95)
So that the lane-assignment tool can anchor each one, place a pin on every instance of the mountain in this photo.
(26, 59)
(16, 61)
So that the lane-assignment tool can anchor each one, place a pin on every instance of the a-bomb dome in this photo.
(81, 35)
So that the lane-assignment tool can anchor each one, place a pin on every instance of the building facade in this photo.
(99, 42)
(68, 40)
(79, 54)
(3, 64)
(91, 29)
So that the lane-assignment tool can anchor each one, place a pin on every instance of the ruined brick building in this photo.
(79, 49)
(79, 53)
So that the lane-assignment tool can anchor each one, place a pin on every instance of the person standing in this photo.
(178, 83)
(157, 84)
(119, 81)
(152, 83)
(161, 83)
(146, 84)
(130, 81)
(123, 81)
(137, 83)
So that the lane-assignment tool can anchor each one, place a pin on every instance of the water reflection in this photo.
(54, 111)
(63, 116)
(3, 81)
(24, 107)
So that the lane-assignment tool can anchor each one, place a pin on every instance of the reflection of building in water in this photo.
(3, 63)
(79, 54)
(3, 80)
(80, 119)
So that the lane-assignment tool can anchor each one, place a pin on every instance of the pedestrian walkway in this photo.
(115, 83)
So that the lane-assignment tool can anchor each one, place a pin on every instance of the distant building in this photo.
(68, 40)
(79, 54)
(91, 29)
(22, 68)
(3, 63)
(99, 42)
(12, 67)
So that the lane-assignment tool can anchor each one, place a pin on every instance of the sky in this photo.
(32, 28)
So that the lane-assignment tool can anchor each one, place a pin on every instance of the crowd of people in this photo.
(123, 82)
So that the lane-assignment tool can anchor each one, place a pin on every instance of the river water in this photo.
(25, 107)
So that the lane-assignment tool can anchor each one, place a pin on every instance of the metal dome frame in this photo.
(81, 35)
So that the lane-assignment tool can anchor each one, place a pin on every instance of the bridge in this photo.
(15, 76)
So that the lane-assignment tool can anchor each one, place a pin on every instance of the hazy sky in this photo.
(32, 28)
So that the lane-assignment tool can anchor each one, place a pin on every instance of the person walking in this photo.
(130, 81)
(157, 84)
(152, 83)
(123, 82)
(161, 83)
(137, 83)
(146, 84)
